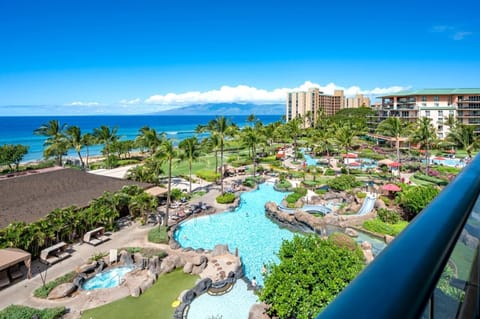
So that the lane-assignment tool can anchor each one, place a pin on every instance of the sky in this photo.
(141, 56)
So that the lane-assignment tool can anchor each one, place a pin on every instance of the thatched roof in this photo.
(32, 196)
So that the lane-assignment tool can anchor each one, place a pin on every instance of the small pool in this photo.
(247, 228)
(233, 305)
(107, 279)
(310, 161)
(452, 162)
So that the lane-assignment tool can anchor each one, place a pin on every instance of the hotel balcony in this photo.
(431, 270)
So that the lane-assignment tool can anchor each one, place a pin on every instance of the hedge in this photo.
(226, 198)
(208, 175)
(431, 179)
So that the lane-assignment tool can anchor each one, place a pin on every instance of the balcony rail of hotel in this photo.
(408, 279)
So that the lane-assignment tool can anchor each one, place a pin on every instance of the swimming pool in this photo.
(453, 162)
(107, 279)
(310, 161)
(233, 305)
(247, 228)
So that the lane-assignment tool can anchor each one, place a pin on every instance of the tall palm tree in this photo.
(222, 127)
(190, 147)
(464, 136)
(150, 139)
(56, 144)
(294, 129)
(252, 119)
(88, 140)
(425, 135)
(76, 141)
(106, 136)
(252, 138)
(394, 127)
(168, 152)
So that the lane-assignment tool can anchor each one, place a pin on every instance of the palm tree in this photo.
(252, 119)
(56, 144)
(425, 135)
(222, 127)
(464, 136)
(150, 139)
(190, 147)
(294, 129)
(252, 138)
(76, 141)
(88, 140)
(168, 152)
(106, 136)
(395, 127)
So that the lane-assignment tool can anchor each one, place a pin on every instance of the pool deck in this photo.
(21, 292)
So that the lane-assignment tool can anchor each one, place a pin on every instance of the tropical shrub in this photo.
(431, 179)
(283, 184)
(22, 312)
(250, 182)
(292, 198)
(329, 172)
(388, 216)
(310, 274)
(226, 198)
(343, 182)
(361, 195)
(377, 226)
(414, 199)
(208, 175)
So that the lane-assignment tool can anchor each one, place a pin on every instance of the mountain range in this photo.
(227, 109)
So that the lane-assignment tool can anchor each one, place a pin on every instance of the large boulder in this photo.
(188, 268)
(87, 268)
(258, 311)
(135, 292)
(125, 258)
(62, 291)
(199, 259)
(367, 252)
(202, 286)
(351, 232)
(147, 283)
(170, 263)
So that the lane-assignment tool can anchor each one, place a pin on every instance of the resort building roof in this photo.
(30, 197)
(444, 91)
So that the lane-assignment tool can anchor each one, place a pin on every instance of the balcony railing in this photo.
(410, 278)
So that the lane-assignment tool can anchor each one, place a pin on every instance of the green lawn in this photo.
(156, 303)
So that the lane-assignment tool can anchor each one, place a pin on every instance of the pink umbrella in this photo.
(391, 188)
(354, 164)
(350, 155)
(395, 164)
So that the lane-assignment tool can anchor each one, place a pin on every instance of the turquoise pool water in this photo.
(246, 228)
(453, 162)
(233, 305)
(107, 279)
(310, 161)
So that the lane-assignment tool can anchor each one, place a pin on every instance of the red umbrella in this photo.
(354, 164)
(395, 164)
(439, 158)
(422, 151)
(391, 188)
(350, 155)
(451, 151)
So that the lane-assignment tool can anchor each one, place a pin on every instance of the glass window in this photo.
(440, 113)
(451, 112)
(435, 104)
(424, 99)
(424, 104)
(435, 98)
(427, 113)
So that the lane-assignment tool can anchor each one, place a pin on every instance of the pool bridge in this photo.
(431, 269)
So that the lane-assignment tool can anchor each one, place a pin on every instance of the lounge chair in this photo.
(4, 280)
(95, 237)
(54, 254)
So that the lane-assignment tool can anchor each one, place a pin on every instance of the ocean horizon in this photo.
(19, 129)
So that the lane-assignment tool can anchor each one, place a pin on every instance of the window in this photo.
(424, 104)
(435, 98)
(435, 104)
(440, 127)
(424, 99)
(440, 113)
(427, 113)
(451, 112)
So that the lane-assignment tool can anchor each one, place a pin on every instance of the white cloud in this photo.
(79, 103)
(248, 94)
(131, 102)
(441, 28)
(461, 35)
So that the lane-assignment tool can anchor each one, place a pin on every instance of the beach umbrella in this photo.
(391, 188)
(350, 155)
(394, 164)
(439, 158)
(385, 162)
(354, 164)
(451, 151)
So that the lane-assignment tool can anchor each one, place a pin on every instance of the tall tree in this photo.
(394, 127)
(12, 154)
(425, 135)
(76, 141)
(168, 152)
(190, 147)
(464, 136)
(56, 144)
(150, 139)
(252, 138)
(106, 136)
(294, 129)
(88, 140)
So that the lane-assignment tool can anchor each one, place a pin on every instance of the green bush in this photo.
(343, 240)
(226, 198)
(208, 175)
(158, 235)
(414, 199)
(386, 200)
(250, 182)
(283, 184)
(23, 312)
(129, 161)
(388, 216)
(43, 291)
(329, 172)
(343, 182)
(298, 193)
(361, 195)
(447, 169)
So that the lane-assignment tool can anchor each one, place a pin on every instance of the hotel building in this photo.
(436, 104)
(315, 102)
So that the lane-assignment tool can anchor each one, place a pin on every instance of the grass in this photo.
(22, 312)
(463, 257)
(377, 226)
(43, 291)
(155, 303)
(158, 235)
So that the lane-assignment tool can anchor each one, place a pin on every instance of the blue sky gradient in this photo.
(113, 56)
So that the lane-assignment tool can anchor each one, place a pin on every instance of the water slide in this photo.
(368, 205)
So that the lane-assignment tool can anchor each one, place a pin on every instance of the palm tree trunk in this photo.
(190, 171)
(397, 145)
(221, 167)
(81, 159)
(169, 185)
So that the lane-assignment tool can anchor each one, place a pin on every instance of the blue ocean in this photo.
(19, 130)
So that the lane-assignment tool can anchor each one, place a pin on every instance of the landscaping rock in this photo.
(367, 252)
(351, 232)
(147, 283)
(62, 291)
(388, 239)
(199, 260)
(170, 263)
(220, 250)
(258, 311)
(87, 268)
(135, 292)
(125, 258)
(188, 268)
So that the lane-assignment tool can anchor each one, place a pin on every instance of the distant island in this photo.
(226, 109)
